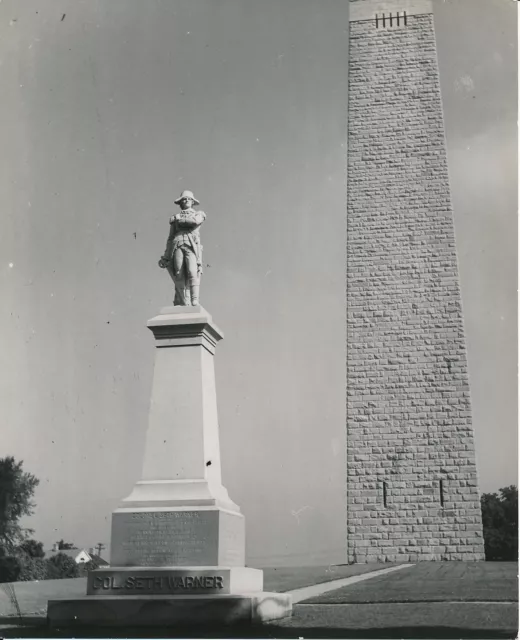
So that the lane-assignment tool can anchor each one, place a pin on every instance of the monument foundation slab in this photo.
(154, 611)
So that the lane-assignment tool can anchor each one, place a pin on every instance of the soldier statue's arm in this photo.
(192, 220)
(167, 256)
(200, 217)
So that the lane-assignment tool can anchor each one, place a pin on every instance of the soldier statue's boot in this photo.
(194, 288)
(180, 292)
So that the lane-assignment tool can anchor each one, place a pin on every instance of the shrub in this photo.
(10, 568)
(20, 566)
(33, 569)
(61, 566)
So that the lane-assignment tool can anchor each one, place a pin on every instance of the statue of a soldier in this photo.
(183, 255)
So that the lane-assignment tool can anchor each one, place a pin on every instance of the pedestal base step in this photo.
(153, 611)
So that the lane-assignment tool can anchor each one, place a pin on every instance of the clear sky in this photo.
(109, 109)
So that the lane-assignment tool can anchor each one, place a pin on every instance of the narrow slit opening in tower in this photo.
(441, 492)
(385, 494)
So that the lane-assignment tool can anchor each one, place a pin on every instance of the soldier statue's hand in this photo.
(163, 262)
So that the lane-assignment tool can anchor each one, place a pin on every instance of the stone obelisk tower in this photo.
(412, 485)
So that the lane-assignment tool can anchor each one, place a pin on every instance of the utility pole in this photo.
(100, 546)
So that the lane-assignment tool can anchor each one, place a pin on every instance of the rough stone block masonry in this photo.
(412, 487)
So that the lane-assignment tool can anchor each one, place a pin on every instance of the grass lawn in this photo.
(434, 582)
(431, 620)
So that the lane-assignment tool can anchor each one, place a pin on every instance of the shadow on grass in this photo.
(39, 629)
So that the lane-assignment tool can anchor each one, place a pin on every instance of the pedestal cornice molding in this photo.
(185, 326)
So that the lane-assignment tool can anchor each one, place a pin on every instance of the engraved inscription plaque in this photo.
(169, 582)
(135, 581)
(162, 538)
(176, 538)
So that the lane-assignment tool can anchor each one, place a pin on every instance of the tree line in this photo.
(21, 556)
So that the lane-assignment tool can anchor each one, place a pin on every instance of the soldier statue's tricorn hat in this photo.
(186, 194)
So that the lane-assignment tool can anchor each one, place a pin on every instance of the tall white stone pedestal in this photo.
(178, 540)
